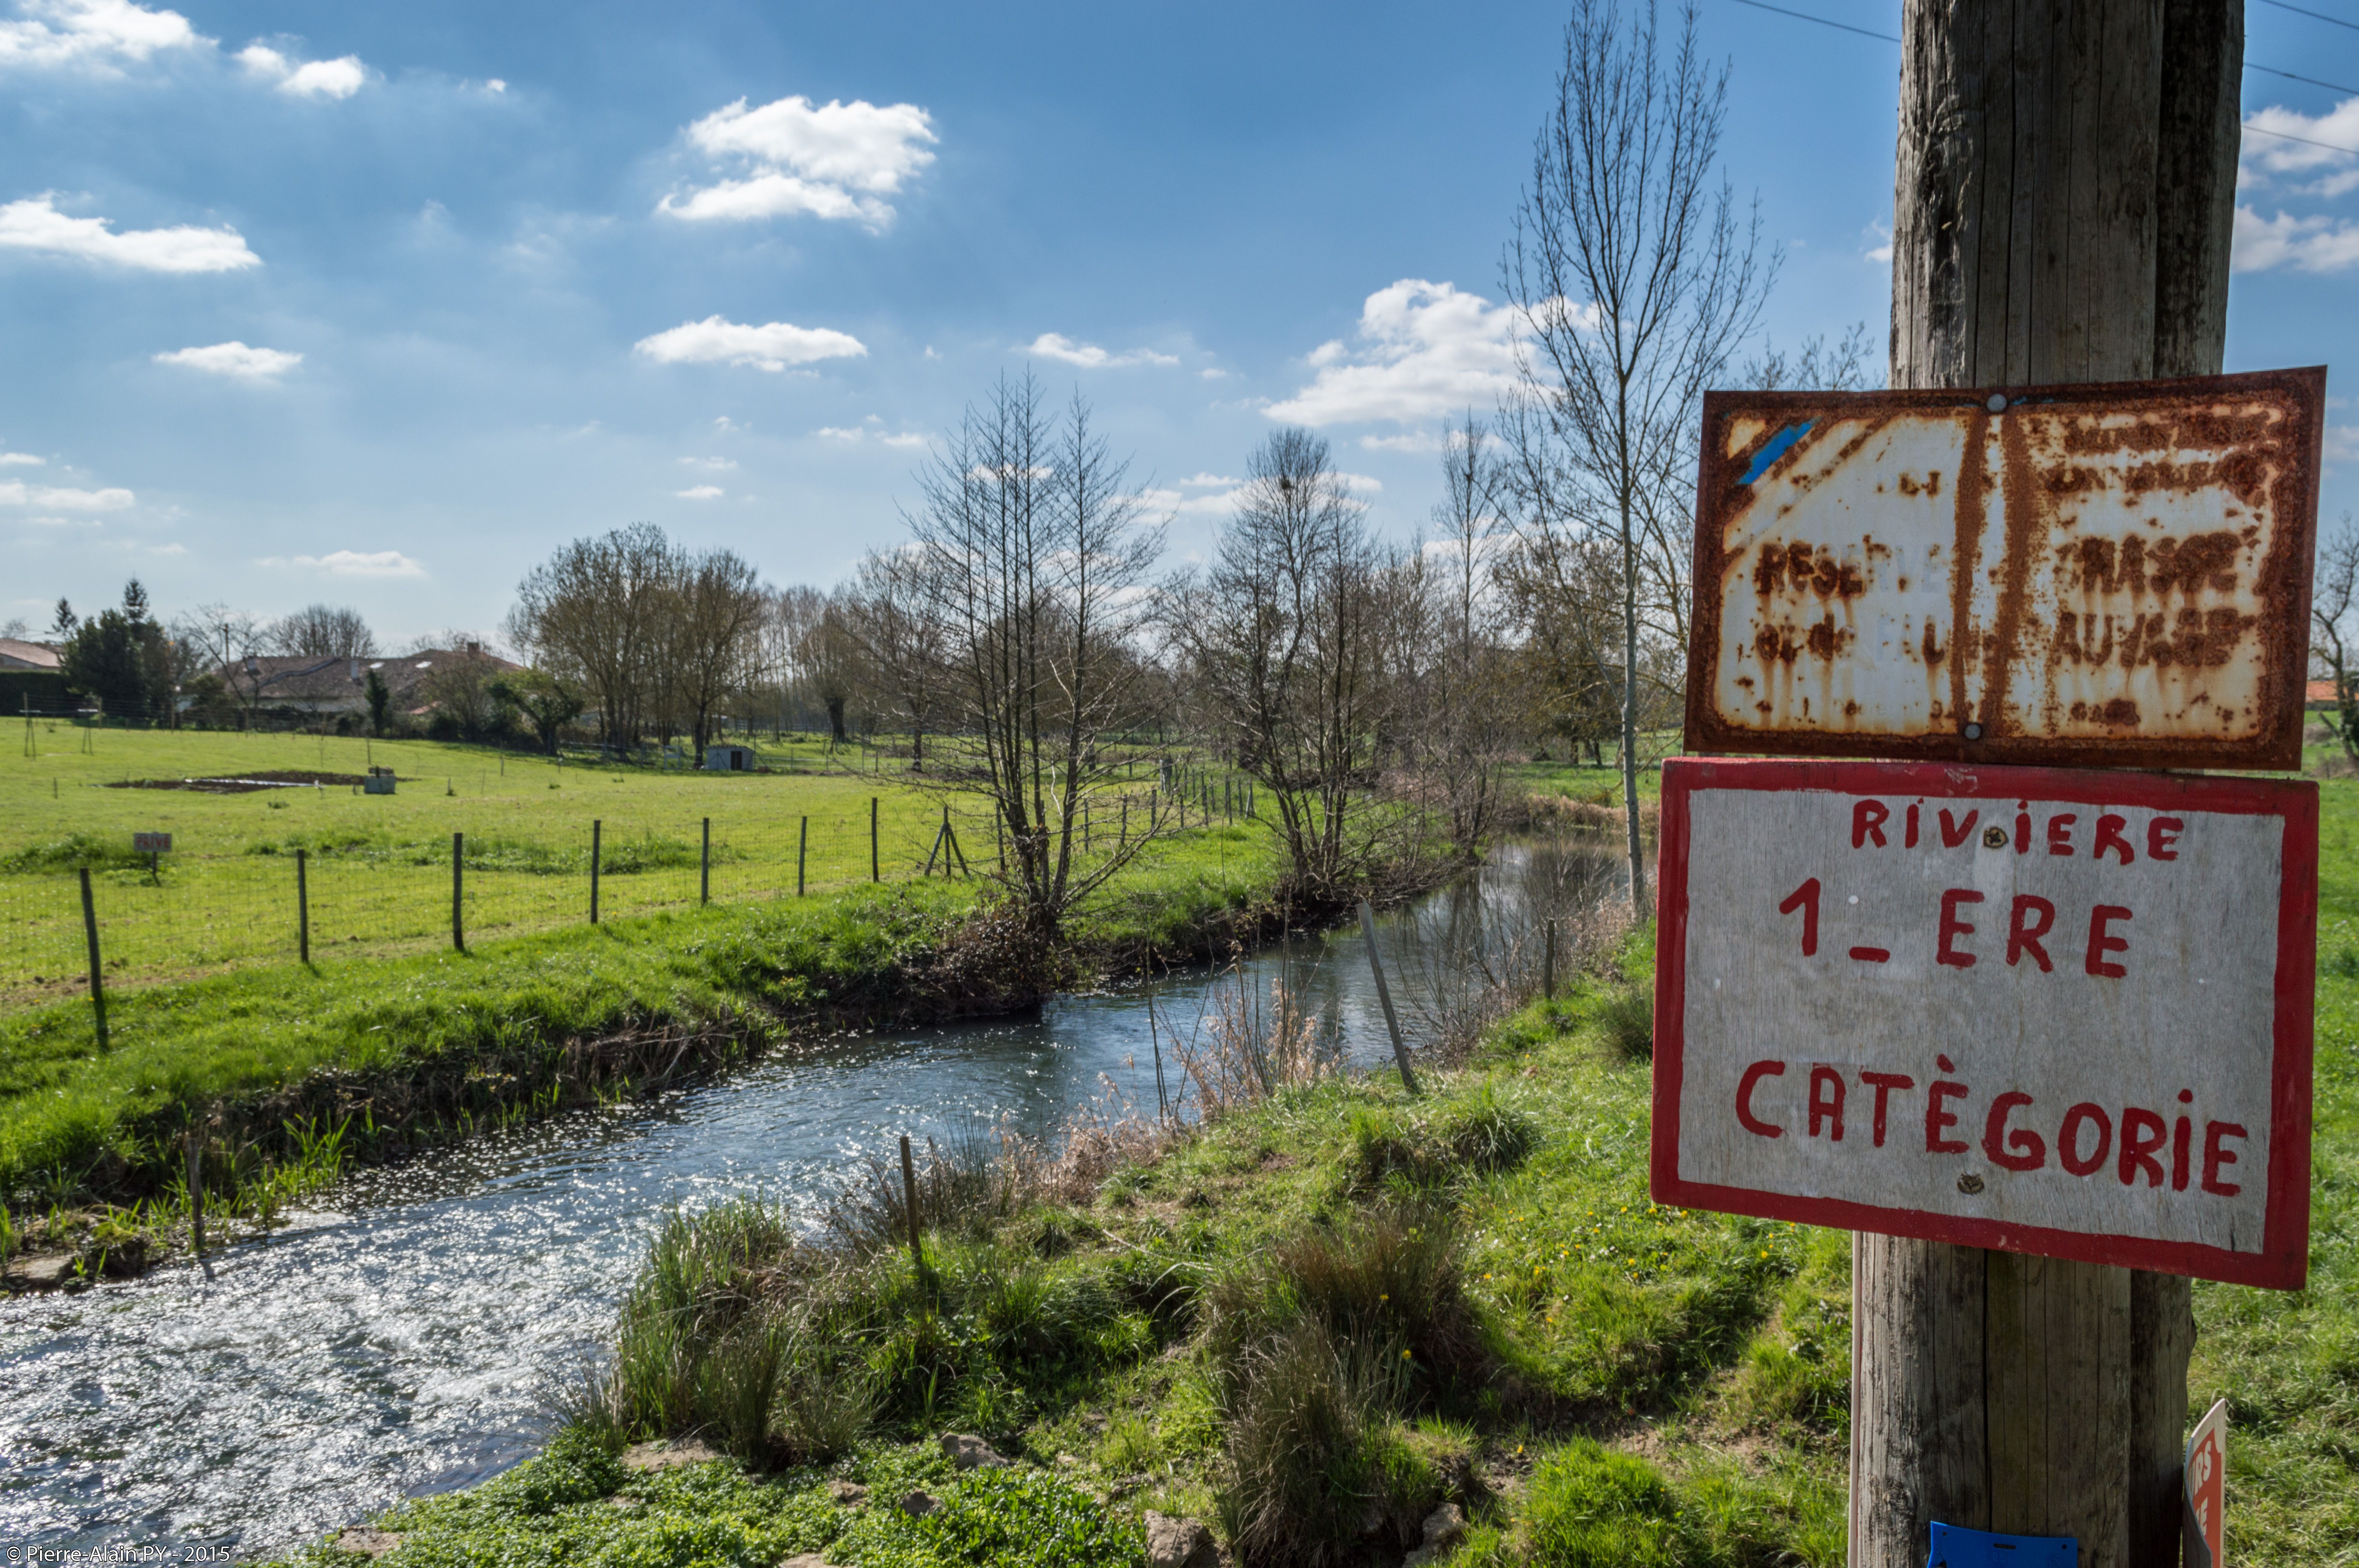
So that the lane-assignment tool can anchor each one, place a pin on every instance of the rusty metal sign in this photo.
(2041, 1010)
(2115, 574)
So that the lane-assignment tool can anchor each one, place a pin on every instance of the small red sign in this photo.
(2207, 1475)
(2028, 1008)
(151, 843)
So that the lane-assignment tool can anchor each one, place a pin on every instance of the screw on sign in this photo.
(2032, 1009)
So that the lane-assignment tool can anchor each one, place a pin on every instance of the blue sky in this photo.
(378, 304)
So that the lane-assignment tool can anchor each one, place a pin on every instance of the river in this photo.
(400, 1338)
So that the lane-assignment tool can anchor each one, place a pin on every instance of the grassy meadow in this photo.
(379, 867)
(401, 1039)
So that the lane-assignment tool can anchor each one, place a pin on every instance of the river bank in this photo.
(1336, 1324)
(284, 1077)
(396, 1336)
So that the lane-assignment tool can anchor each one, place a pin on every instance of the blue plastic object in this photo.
(1957, 1547)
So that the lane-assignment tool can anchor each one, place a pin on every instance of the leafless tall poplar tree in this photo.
(1636, 279)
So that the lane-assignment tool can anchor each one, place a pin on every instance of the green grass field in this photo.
(1333, 1310)
(227, 1017)
(378, 871)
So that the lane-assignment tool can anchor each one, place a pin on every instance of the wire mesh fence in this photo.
(222, 897)
(219, 900)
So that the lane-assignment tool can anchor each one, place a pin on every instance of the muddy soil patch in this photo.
(246, 784)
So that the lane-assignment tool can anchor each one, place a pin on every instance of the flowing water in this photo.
(400, 1338)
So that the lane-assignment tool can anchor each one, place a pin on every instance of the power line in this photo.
(2305, 141)
(2267, 70)
(2322, 15)
(1823, 22)
(2289, 76)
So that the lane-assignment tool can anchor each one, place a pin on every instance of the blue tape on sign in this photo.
(1775, 448)
(1957, 1547)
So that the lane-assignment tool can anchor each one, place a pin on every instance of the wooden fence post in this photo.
(873, 875)
(802, 848)
(196, 1164)
(2046, 232)
(596, 832)
(302, 906)
(457, 889)
(909, 1203)
(97, 985)
(1385, 995)
(704, 867)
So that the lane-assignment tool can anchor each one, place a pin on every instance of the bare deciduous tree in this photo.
(1286, 640)
(1469, 718)
(709, 636)
(594, 615)
(1636, 279)
(1032, 558)
(902, 645)
(322, 631)
(2333, 597)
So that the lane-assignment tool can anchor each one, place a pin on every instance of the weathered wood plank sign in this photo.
(2114, 574)
(2033, 1009)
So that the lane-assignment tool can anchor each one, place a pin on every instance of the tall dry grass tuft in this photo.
(1249, 1048)
(1483, 951)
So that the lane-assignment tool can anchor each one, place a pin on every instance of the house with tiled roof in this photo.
(31, 679)
(312, 684)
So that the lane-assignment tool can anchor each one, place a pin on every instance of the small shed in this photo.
(729, 759)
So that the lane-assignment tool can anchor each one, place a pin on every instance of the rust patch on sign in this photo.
(2104, 574)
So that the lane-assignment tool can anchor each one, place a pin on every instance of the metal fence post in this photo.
(802, 850)
(595, 828)
(704, 867)
(302, 906)
(873, 875)
(97, 988)
(457, 888)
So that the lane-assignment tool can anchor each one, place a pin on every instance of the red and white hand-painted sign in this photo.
(2037, 1010)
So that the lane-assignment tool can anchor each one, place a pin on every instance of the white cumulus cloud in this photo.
(1057, 346)
(1209, 480)
(2279, 155)
(834, 160)
(16, 493)
(234, 359)
(2305, 244)
(92, 33)
(772, 346)
(861, 433)
(1423, 351)
(21, 459)
(352, 563)
(36, 224)
(701, 493)
(339, 78)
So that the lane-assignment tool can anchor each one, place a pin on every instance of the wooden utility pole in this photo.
(2064, 195)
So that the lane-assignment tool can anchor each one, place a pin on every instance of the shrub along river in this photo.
(402, 1337)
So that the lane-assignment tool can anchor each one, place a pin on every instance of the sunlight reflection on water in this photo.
(399, 1340)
